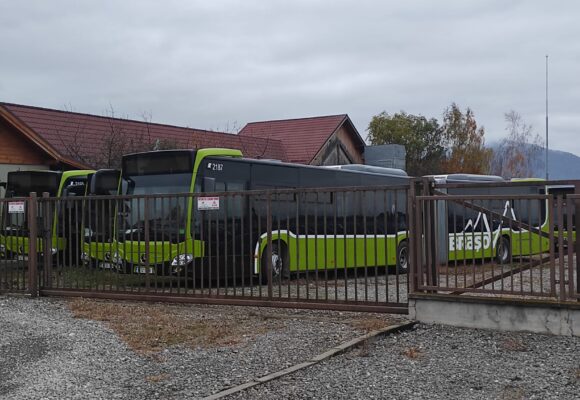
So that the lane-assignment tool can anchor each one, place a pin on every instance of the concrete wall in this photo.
(498, 314)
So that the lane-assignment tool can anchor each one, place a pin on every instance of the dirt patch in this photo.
(157, 378)
(512, 344)
(370, 324)
(153, 327)
(412, 352)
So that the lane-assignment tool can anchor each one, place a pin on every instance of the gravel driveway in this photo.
(436, 362)
(45, 353)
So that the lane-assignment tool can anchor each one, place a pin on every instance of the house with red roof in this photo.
(327, 140)
(42, 138)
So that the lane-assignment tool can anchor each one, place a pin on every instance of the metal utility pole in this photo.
(547, 175)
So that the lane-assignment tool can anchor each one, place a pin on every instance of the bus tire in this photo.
(503, 250)
(280, 265)
(403, 257)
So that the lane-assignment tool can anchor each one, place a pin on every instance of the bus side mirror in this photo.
(208, 184)
(105, 182)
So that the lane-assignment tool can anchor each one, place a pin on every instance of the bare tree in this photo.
(518, 154)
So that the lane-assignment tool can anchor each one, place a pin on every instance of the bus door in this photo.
(222, 222)
(70, 214)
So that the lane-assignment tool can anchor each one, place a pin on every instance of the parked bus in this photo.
(562, 191)
(558, 190)
(99, 218)
(179, 234)
(64, 223)
(467, 233)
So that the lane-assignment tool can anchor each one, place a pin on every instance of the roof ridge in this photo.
(298, 119)
(113, 118)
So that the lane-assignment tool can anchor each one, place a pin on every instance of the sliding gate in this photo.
(344, 248)
(517, 241)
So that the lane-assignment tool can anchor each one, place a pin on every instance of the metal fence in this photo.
(362, 248)
(508, 246)
(344, 248)
(14, 239)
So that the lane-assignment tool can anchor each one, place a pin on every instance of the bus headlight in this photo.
(53, 250)
(85, 258)
(2, 250)
(182, 259)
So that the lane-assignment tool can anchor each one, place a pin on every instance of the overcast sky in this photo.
(220, 64)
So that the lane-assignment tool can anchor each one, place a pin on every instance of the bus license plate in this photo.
(105, 265)
(22, 257)
(143, 270)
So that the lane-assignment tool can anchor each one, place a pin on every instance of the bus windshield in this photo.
(20, 184)
(166, 215)
(156, 173)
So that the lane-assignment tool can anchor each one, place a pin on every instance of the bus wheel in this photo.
(279, 263)
(503, 251)
(403, 257)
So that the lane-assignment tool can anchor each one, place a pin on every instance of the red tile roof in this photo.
(65, 133)
(302, 138)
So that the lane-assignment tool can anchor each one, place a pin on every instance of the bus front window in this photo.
(166, 216)
(21, 184)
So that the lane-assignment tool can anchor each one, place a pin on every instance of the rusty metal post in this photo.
(32, 248)
(576, 241)
(414, 240)
(552, 249)
(560, 225)
(47, 224)
(269, 246)
(430, 235)
(146, 238)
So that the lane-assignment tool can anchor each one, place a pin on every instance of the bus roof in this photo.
(370, 169)
(466, 178)
(528, 180)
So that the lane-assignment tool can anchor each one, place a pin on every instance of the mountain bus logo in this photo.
(477, 235)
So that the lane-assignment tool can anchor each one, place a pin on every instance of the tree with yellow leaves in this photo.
(465, 143)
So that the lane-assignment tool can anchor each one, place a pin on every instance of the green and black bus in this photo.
(223, 225)
(99, 218)
(64, 224)
(468, 233)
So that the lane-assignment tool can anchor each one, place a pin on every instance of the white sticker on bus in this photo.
(208, 203)
(469, 241)
(16, 207)
(477, 235)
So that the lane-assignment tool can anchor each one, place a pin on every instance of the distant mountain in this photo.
(562, 164)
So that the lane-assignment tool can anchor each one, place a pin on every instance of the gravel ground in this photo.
(437, 362)
(45, 353)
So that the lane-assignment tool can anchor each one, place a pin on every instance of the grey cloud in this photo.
(207, 64)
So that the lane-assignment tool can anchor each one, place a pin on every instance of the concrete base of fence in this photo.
(498, 314)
